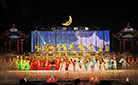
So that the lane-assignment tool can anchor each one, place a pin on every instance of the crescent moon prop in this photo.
(67, 23)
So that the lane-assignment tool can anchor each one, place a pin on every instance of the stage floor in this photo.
(42, 75)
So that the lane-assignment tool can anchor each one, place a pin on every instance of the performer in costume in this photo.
(67, 64)
(130, 60)
(96, 65)
(77, 68)
(40, 65)
(35, 63)
(27, 65)
(32, 66)
(102, 65)
(21, 63)
(82, 47)
(106, 48)
(24, 64)
(59, 47)
(64, 47)
(72, 47)
(17, 61)
(93, 61)
(123, 62)
(83, 65)
(13, 64)
(100, 48)
(47, 65)
(57, 63)
(114, 64)
(44, 48)
(89, 66)
(90, 48)
(110, 63)
(51, 48)
(63, 66)
(106, 60)
(71, 67)
(38, 47)
(136, 60)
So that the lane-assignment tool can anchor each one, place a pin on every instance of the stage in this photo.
(42, 75)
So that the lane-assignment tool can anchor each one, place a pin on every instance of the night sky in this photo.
(27, 14)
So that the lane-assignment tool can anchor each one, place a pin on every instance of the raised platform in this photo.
(42, 75)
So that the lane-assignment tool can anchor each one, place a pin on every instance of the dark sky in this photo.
(27, 14)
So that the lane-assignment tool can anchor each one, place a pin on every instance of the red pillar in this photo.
(18, 47)
(5, 46)
(21, 47)
(9, 46)
(120, 46)
(124, 45)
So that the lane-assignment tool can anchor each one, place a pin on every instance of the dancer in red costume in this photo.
(47, 65)
(35, 64)
(40, 66)
(32, 66)
(44, 61)
(67, 64)
(57, 63)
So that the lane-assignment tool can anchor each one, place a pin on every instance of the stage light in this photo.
(64, 28)
(127, 79)
(75, 28)
(86, 28)
(91, 79)
(53, 28)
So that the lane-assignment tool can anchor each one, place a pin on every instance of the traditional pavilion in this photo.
(127, 35)
(13, 40)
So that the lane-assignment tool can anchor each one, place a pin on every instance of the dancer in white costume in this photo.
(82, 66)
(63, 66)
(71, 67)
(102, 65)
(77, 67)
(106, 60)
(89, 66)
(96, 65)
(114, 65)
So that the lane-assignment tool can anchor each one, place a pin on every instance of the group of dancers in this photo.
(71, 64)
(63, 47)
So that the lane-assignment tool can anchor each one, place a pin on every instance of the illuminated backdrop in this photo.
(71, 37)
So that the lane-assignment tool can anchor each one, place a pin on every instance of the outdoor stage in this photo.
(42, 75)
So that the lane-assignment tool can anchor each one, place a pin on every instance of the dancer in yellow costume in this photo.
(59, 47)
(51, 48)
(38, 47)
(82, 47)
(72, 47)
(64, 47)
(90, 48)
(44, 48)
(100, 49)
(106, 48)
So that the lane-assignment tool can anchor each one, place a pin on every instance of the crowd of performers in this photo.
(63, 47)
(71, 64)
